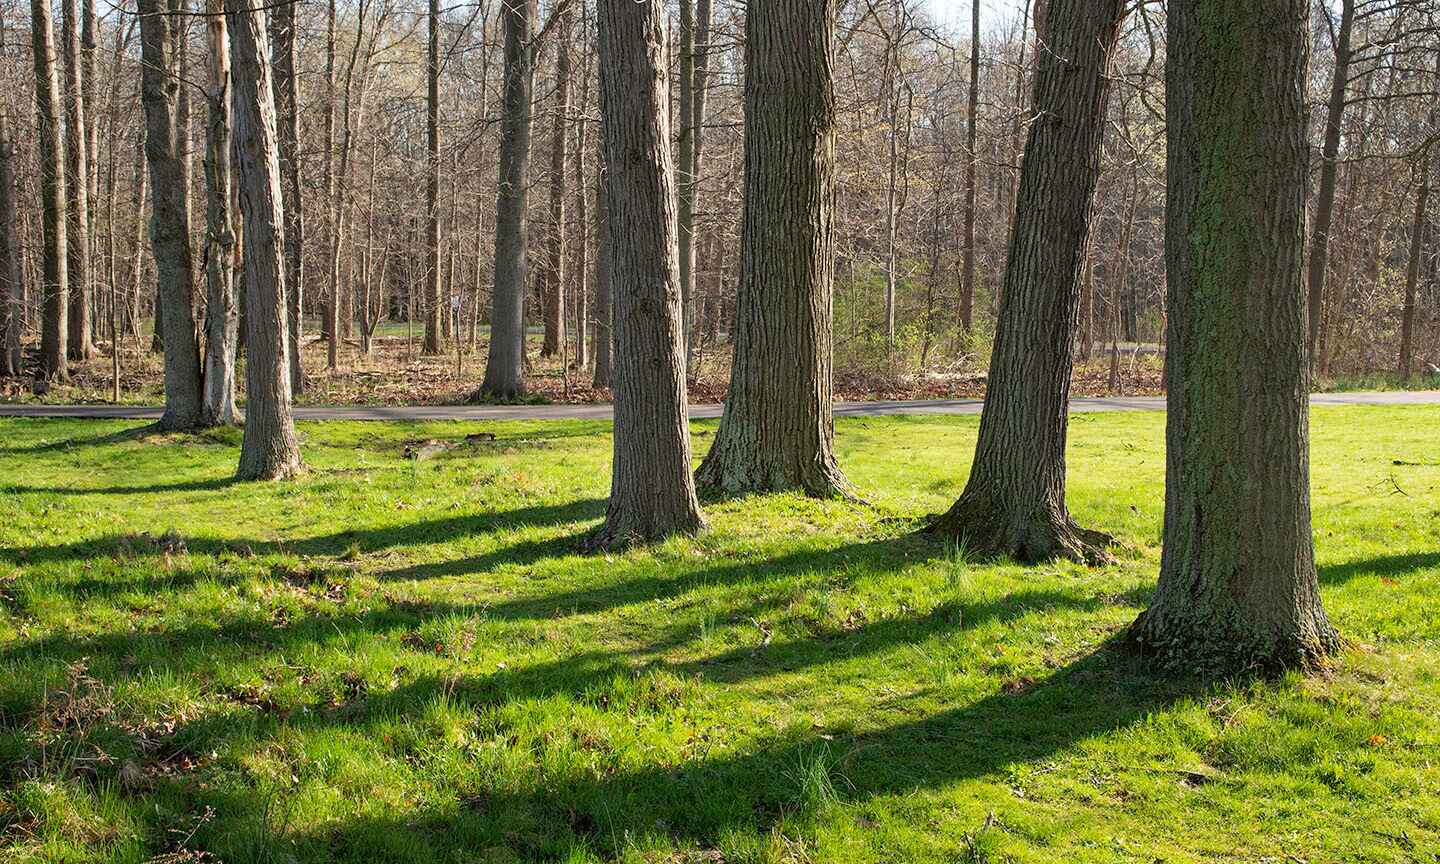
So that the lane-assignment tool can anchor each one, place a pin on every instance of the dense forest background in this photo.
(908, 316)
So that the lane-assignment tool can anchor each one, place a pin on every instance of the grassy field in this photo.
(406, 660)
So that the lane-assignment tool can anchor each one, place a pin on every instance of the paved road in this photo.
(602, 412)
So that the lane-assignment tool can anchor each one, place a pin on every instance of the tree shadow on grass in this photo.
(1381, 565)
(120, 436)
(701, 801)
(422, 533)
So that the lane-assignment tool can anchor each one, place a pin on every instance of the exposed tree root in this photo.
(1213, 645)
(988, 531)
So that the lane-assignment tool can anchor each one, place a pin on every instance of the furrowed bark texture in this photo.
(1237, 586)
(1014, 502)
(222, 309)
(77, 188)
(169, 212)
(269, 449)
(504, 366)
(287, 98)
(777, 432)
(51, 149)
(652, 493)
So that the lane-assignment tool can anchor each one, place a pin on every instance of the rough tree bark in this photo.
(11, 311)
(1014, 501)
(269, 450)
(287, 98)
(222, 311)
(553, 275)
(169, 213)
(652, 493)
(54, 331)
(1238, 587)
(433, 307)
(504, 366)
(79, 345)
(777, 431)
(1329, 161)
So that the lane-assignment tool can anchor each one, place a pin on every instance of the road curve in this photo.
(1084, 404)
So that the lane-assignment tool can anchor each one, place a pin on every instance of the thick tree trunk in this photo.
(433, 306)
(604, 311)
(287, 97)
(1325, 198)
(79, 344)
(169, 219)
(1014, 502)
(504, 367)
(553, 276)
(652, 493)
(50, 147)
(222, 311)
(777, 432)
(269, 450)
(11, 311)
(1238, 587)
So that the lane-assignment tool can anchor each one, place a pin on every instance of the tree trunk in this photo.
(695, 18)
(1417, 240)
(11, 311)
(582, 215)
(504, 367)
(287, 97)
(1329, 161)
(269, 450)
(972, 114)
(1238, 587)
(51, 149)
(433, 307)
(604, 311)
(1014, 501)
(553, 277)
(777, 432)
(169, 219)
(77, 186)
(222, 312)
(652, 493)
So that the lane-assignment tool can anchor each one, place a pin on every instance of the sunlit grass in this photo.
(408, 660)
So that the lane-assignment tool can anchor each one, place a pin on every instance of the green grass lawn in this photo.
(398, 660)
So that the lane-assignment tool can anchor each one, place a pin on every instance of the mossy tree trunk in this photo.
(269, 449)
(777, 432)
(1014, 502)
(160, 28)
(50, 147)
(1238, 587)
(652, 493)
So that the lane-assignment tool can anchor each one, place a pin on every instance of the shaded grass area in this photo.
(399, 659)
